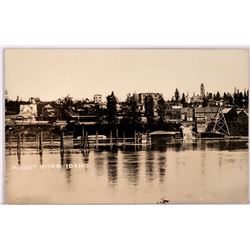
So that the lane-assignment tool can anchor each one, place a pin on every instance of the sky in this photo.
(82, 73)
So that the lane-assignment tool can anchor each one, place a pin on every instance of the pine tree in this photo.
(161, 109)
(177, 95)
(111, 108)
(149, 108)
(183, 100)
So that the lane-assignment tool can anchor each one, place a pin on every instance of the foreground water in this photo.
(183, 172)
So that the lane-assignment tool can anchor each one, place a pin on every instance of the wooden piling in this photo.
(62, 141)
(111, 138)
(96, 139)
(147, 137)
(41, 141)
(51, 140)
(9, 138)
(18, 143)
(116, 136)
(82, 137)
(37, 141)
(134, 136)
(23, 140)
(123, 138)
(86, 143)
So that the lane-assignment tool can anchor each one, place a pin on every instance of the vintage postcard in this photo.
(126, 125)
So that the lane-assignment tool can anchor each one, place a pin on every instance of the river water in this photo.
(183, 172)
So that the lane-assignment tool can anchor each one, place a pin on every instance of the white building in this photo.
(155, 96)
(28, 111)
(97, 98)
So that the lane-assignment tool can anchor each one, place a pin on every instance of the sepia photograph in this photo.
(126, 125)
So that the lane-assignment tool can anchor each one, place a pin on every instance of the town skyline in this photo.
(54, 73)
(190, 94)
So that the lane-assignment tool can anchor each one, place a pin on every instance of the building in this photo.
(34, 100)
(187, 114)
(202, 91)
(97, 98)
(242, 120)
(28, 111)
(196, 99)
(49, 112)
(173, 114)
(141, 97)
(230, 114)
(205, 114)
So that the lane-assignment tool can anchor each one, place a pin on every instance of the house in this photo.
(211, 102)
(230, 114)
(242, 115)
(155, 96)
(205, 114)
(173, 114)
(242, 120)
(34, 100)
(97, 98)
(48, 111)
(187, 114)
(28, 111)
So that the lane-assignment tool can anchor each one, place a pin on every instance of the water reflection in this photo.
(150, 161)
(62, 158)
(203, 163)
(85, 157)
(162, 159)
(131, 163)
(68, 166)
(212, 171)
(112, 168)
(19, 157)
(41, 157)
(99, 162)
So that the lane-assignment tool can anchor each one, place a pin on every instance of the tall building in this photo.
(202, 91)
(141, 97)
(97, 98)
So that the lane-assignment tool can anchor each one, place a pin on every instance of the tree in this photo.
(132, 111)
(111, 108)
(246, 98)
(183, 100)
(161, 109)
(99, 113)
(149, 108)
(217, 96)
(240, 100)
(202, 90)
(66, 108)
(177, 95)
(204, 101)
(230, 100)
(236, 98)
